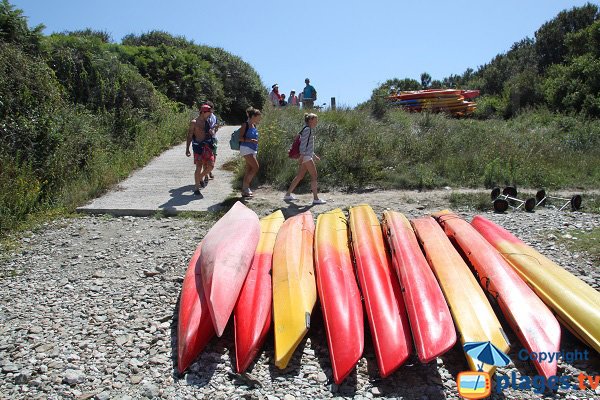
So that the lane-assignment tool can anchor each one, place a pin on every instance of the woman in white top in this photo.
(307, 159)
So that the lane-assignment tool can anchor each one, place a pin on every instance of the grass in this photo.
(583, 241)
(427, 151)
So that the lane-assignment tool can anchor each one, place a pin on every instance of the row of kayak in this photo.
(456, 102)
(412, 277)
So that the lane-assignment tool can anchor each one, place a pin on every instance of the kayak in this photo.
(535, 325)
(472, 313)
(194, 325)
(386, 312)
(252, 313)
(338, 293)
(294, 288)
(227, 251)
(430, 319)
(576, 304)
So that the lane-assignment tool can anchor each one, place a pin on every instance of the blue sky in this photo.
(347, 48)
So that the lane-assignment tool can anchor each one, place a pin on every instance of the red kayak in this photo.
(227, 252)
(252, 313)
(535, 325)
(194, 326)
(338, 293)
(430, 319)
(385, 307)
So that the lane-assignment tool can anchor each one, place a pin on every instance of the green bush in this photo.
(421, 151)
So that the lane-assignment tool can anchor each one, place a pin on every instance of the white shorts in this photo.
(247, 151)
(306, 159)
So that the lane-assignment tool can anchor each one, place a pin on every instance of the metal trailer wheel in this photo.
(500, 205)
(576, 202)
(540, 196)
(530, 204)
(495, 193)
(510, 191)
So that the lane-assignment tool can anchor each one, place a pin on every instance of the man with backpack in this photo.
(201, 137)
(309, 95)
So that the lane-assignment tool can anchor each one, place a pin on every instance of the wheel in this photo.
(495, 193)
(540, 196)
(576, 202)
(510, 191)
(530, 204)
(500, 205)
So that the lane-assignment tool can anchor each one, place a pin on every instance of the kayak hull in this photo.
(472, 313)
(338, 293)
(576, 304)
(535, 325)
(194, 325)
(252, 313)
(224, 270)
(294, 287)
(430, 319)
(385, 307)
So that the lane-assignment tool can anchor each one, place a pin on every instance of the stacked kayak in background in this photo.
(455, 102)
(422, 281)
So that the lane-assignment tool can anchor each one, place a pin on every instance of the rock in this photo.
(23, 377)
(149, 390)
(73, 377)
(103, 396)
(8, 368)
(321, 377)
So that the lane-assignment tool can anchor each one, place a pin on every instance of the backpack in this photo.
(234, 141)
(294, 151)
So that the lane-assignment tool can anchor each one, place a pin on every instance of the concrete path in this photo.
(167, 185)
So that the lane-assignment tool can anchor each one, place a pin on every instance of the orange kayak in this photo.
(252, 313)
(535, 325)
(338, 293)
(294, 288)
(576, 304)
(472, 313)
(194, 326)
(380, 288)
(227, 251)
(430, 319)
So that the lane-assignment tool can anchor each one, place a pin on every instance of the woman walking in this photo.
(249, 148)
(307, 159)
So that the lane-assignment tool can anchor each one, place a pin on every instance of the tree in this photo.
(425, 80)
(14, 29)
(550, 38)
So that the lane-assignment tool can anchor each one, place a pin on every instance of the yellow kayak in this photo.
(294, 288)
(472, 313)
(576, 304)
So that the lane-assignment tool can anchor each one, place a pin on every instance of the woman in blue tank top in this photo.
(249, 148)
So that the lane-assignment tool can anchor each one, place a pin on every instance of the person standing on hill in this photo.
(249, 148)
(200, 136)
(309, 95)
(293, 99)
(274, 96)
(307, 159)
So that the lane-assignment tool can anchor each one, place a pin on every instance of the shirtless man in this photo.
(200, 135)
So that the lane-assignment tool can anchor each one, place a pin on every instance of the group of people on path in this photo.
(202, 136)
(307, 97)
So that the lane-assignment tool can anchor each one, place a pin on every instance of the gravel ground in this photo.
(88, 310)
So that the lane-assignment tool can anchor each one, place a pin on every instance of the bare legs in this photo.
(308, 166)
(251, 171)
